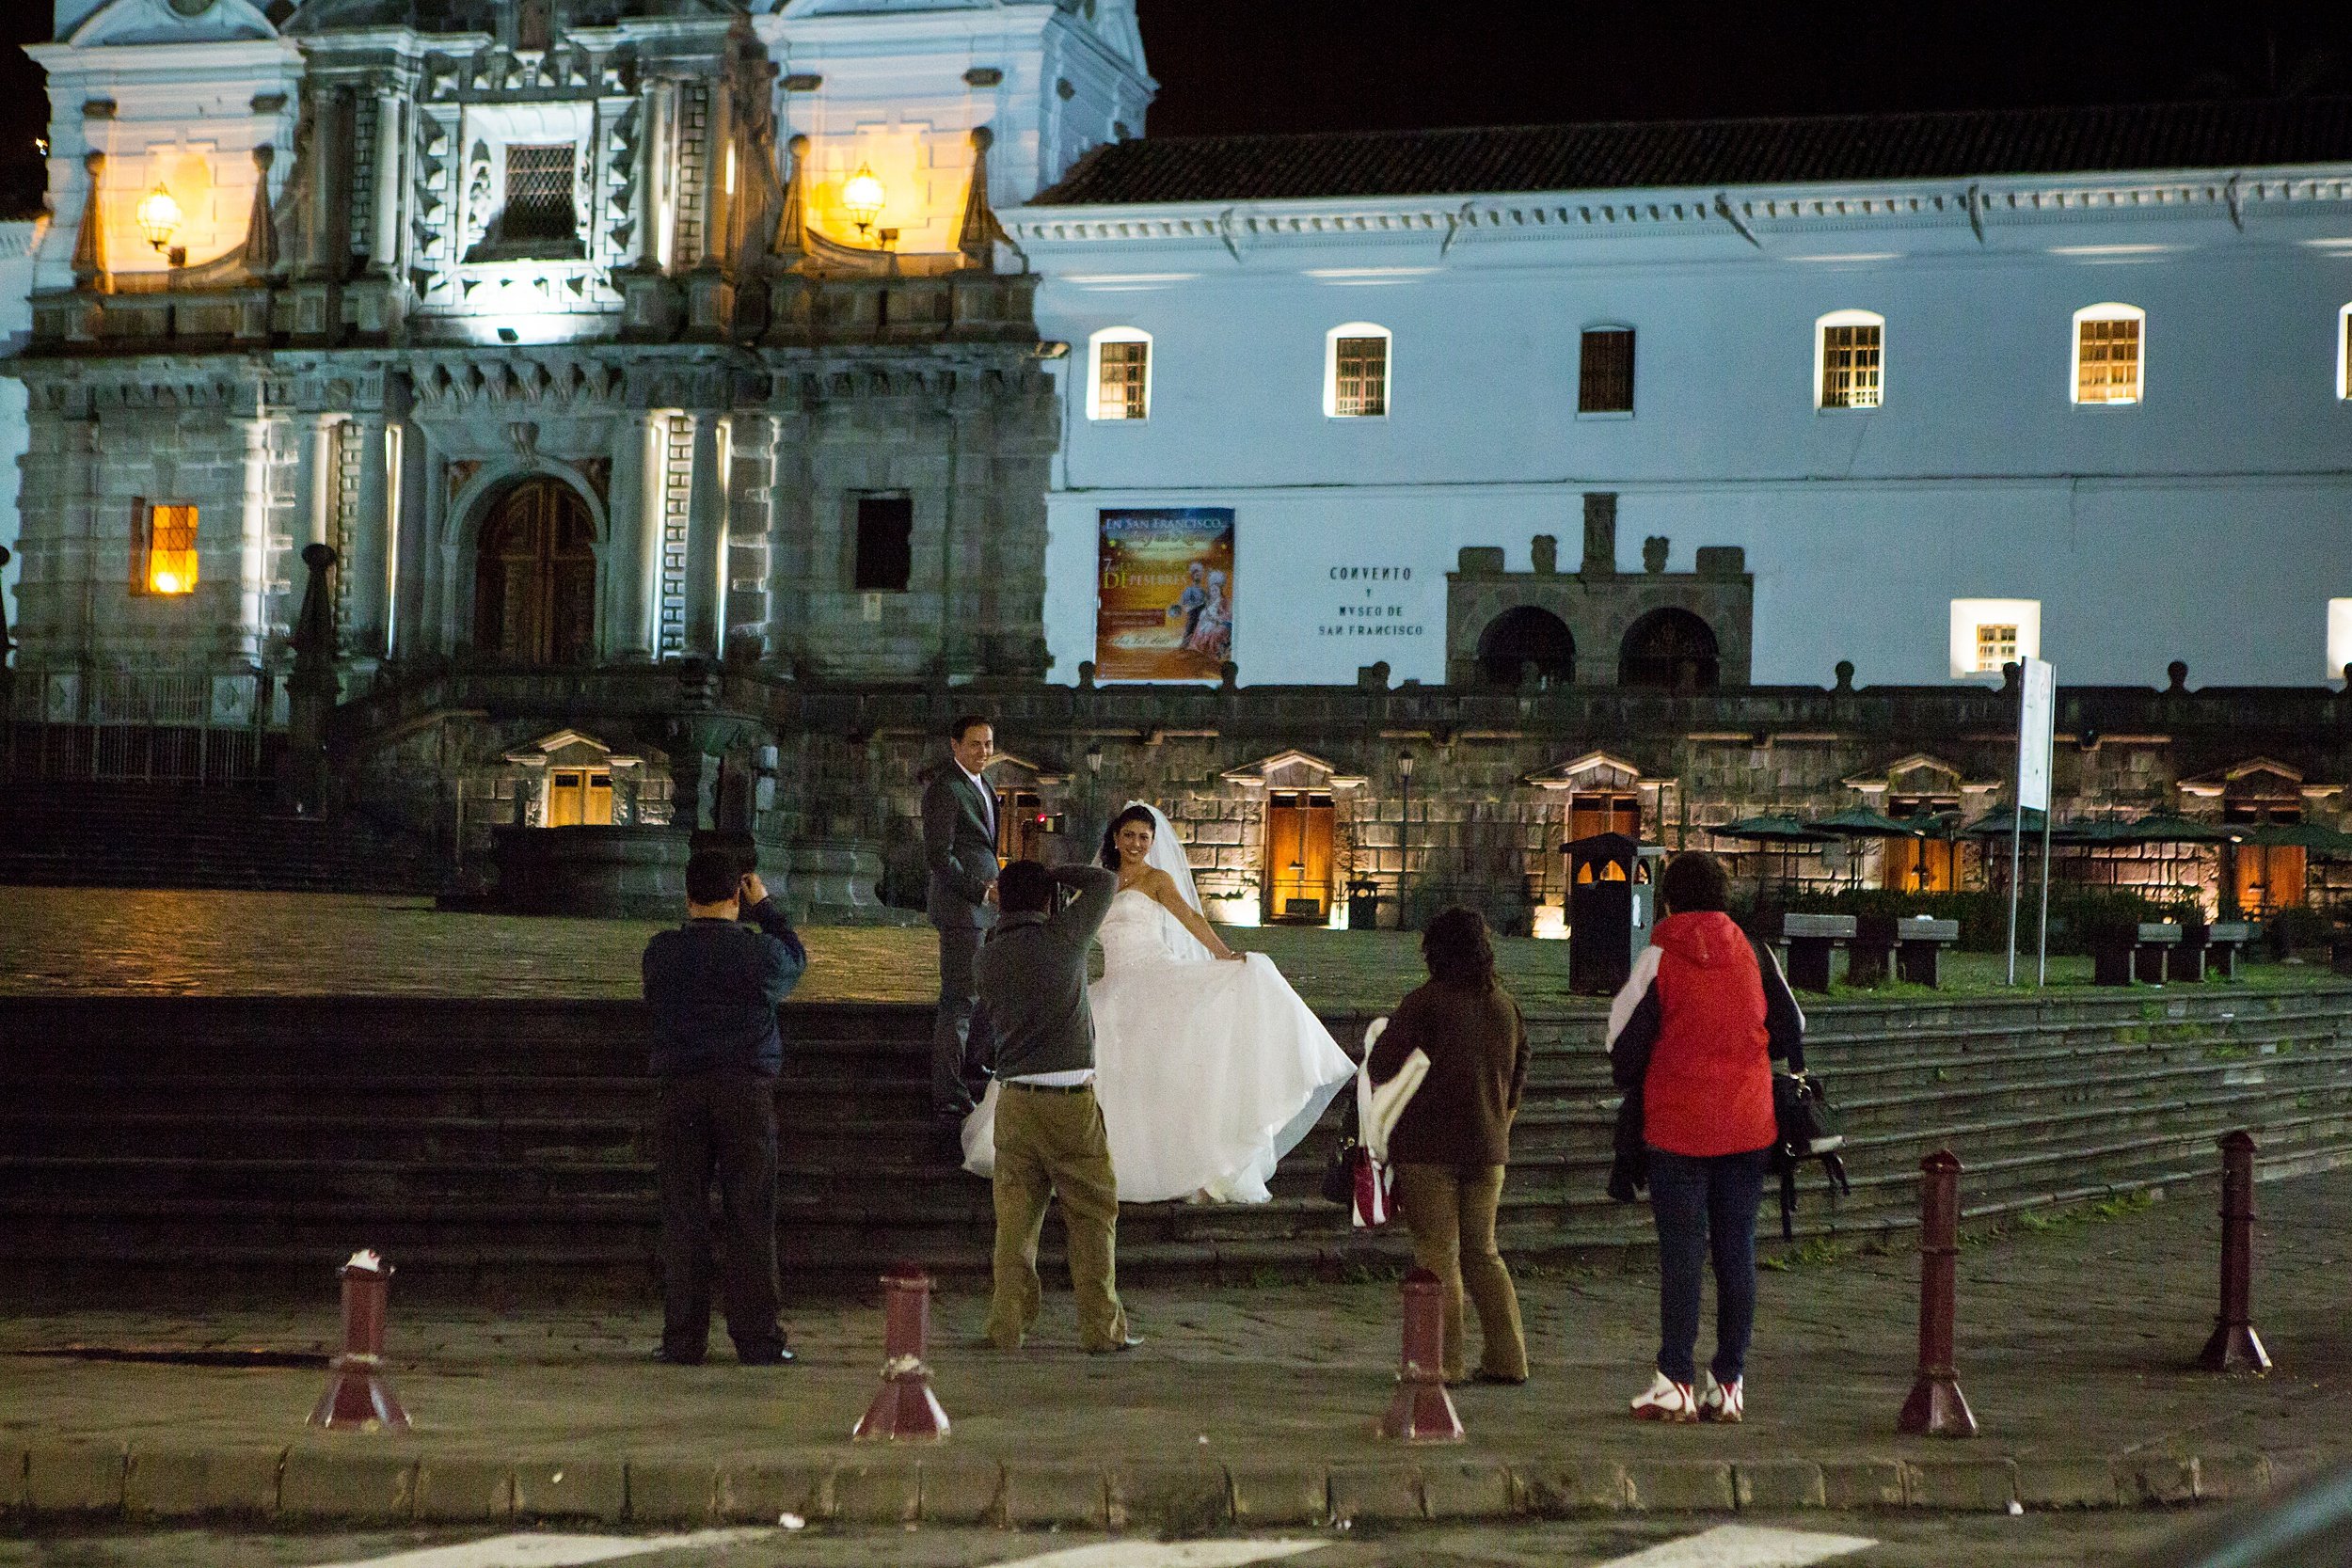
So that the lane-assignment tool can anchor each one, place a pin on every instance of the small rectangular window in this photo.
(1361, 386)
(1996, 646)
(886, 544)
(2107, 360)
(1121, 380)
(1849, 366)
(1987, 634)
(1604, 381)
(538, 194)
(163, 550)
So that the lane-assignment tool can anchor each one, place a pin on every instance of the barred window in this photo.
(1604, 380)
(538, 194)
(163, 548)
(1122, 375)
(1850, 355)
(2107, 353)
(1357, 385)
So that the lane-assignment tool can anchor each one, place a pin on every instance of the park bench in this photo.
(2208, 950)
(1810, 939)
(1913, 948)
(2128, 954)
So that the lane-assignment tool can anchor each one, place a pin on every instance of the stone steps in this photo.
(506, 1143)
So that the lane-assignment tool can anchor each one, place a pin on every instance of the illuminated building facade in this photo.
(588, 332)
(703, 400)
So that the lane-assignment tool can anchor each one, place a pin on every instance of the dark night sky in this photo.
(1313, 65)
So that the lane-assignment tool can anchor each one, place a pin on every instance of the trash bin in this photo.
(1364, 906)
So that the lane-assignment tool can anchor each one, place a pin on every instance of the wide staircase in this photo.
(86, 834)
(496, 1148)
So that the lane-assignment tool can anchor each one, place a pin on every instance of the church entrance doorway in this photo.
(580, 797)
(1298, 833)
(535, 577)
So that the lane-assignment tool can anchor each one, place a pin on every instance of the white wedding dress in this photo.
(1208, 1071)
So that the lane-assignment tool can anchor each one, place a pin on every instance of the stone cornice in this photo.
(1747, 213)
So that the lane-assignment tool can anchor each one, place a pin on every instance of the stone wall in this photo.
(1494, 774)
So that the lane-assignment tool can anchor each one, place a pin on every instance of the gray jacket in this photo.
(1032, 979)
(959, 849)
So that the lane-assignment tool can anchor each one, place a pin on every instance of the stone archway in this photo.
(1524, 636)
(1671, 649)
(535, 576)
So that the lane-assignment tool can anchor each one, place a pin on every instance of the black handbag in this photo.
(1806, 1127)
(1339, 1174)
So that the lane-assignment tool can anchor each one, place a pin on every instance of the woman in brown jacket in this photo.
(1450, 1146)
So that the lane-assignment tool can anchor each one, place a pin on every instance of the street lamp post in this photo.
(1094, 780)
(1403, 840)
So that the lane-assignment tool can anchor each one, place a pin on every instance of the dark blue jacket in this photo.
(714, 985)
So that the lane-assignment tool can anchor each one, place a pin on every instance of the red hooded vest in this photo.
(1709, 1089)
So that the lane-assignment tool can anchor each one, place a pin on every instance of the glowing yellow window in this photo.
(1996, 646)
(2108, 353)
(164, 561)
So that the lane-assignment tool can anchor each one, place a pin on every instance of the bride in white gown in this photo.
(1208, 1067)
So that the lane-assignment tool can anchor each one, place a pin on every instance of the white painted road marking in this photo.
(1169, 1554)
(1745, 1546)
(551, 1551)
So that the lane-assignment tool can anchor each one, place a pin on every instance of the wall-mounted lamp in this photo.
(862, 197)
(158, 217)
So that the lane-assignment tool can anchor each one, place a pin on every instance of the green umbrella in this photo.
(1770, 829)
(1783, 830)
(2165, 826)
(1862, 822)
(2001, 821)
(2314, 838)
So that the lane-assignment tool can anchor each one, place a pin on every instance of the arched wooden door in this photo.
(535, 577)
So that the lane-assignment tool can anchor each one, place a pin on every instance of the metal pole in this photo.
(2235, 1346)
(2041, 972)
(2016, 835)
(1423, 1411)
(1936, 1407)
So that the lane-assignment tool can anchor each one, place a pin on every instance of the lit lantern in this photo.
(863, 196)
(158, 217)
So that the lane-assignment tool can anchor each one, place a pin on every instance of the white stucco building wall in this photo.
(2210, 521)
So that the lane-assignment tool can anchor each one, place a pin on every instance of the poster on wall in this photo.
(1164, 593)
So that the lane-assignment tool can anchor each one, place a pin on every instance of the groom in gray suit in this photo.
(960, 846)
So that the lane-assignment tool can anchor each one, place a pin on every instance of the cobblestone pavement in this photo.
(2073, 1345)
(100, 941)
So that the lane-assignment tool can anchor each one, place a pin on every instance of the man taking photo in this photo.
(714, 985)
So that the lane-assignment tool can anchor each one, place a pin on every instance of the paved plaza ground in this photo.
(167, 942)
(2075, 1342)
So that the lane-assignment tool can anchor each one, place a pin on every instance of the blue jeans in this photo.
(1698, 1202)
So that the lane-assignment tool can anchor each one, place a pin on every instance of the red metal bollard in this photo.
(1936, 1407)
(356, 1394)
(1423, 1411)
(2235, 1346)
(905, 1410)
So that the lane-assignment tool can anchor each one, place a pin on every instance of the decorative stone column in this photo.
(313, 688)
(368, 568)
(390, 145)
(251, 634)
(627, 628)
(706, 541)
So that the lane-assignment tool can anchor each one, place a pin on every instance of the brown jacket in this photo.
(1477, 1047)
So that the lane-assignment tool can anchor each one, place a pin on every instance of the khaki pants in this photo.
(1050, 1142)
(1451, 1211)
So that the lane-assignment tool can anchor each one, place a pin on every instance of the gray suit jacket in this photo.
(1032, 978)
(958, 848)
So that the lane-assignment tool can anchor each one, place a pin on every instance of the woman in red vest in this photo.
(1693, 1033)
